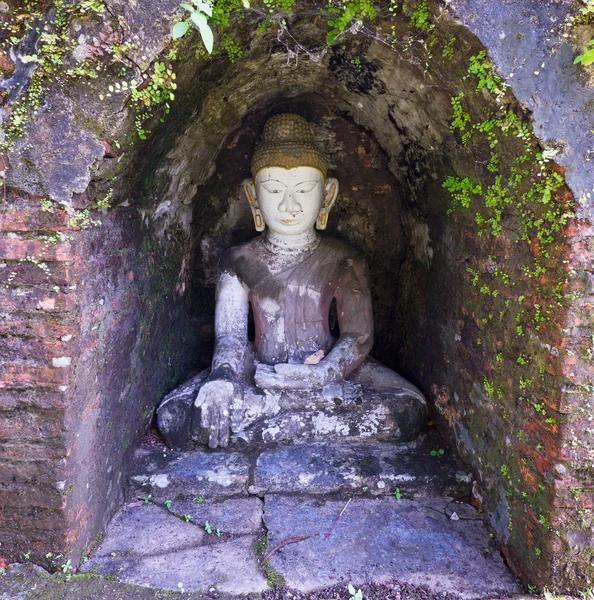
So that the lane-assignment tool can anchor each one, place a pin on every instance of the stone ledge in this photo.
(169, 475)
(376, 467)
(314, 468)
(439, 544)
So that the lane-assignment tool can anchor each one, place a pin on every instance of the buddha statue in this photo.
(295, 381)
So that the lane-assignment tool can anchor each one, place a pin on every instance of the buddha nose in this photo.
(289, 203)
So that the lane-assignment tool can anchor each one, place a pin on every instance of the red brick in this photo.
(529, 477)
(7, 66)
(31, 496)
(35, 327)
(581, 253)
(34, 219)
(574, 228)
(18, 376)
(21, 425)
(35, 299)
(19, 473)
(52, 449)
(20, 249)
(28, 273)
(579, 316)
(24, 541)
(32, 519)
(572, 495)
(32, 398)
(14, 349)
(541, 460)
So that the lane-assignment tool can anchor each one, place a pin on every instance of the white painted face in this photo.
(290, 199)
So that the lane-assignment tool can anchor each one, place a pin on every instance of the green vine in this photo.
(347, 11)
(47, 62)
(517, 200)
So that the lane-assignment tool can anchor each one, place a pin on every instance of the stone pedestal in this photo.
(374, 404)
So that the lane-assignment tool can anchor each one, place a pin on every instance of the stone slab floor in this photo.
(307, 520)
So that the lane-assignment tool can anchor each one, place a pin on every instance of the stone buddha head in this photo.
(289, 192)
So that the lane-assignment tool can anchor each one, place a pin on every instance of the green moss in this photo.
(261, 545)
(274, 578)
(420, 17)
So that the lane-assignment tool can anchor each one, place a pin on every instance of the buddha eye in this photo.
(271, 189)
(306, 187)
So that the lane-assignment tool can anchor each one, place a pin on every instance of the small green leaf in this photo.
(199, 20)
(332, 35)
(207, 37)
(179, 29)
(203, 7)
(246, 3)
(188, 7)
(587, 58)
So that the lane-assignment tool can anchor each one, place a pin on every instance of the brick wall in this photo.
(573, 501)
(38, 337)
(94, 330)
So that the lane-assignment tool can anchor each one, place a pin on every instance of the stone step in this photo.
(423, 467)
(376, 468)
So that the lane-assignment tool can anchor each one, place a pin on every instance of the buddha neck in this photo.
(289, 244)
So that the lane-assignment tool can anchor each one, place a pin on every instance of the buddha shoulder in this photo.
(336, 250)
(240, 258)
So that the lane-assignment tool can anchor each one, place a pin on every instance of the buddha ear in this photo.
(250, 193)
(330, 194)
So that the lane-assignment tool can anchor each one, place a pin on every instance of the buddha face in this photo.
(291, 201)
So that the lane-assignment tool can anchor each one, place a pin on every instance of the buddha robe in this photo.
(291, 303)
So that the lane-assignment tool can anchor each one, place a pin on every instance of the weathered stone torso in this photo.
(291, 294)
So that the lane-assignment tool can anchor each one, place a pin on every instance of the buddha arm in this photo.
(355, 318)
(231, 318)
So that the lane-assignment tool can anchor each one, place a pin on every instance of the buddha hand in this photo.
(294, 377)
(217, 400)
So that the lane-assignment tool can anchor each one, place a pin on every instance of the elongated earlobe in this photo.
(322, 220)
(330, 194)
(258, 221)
(250, 193)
